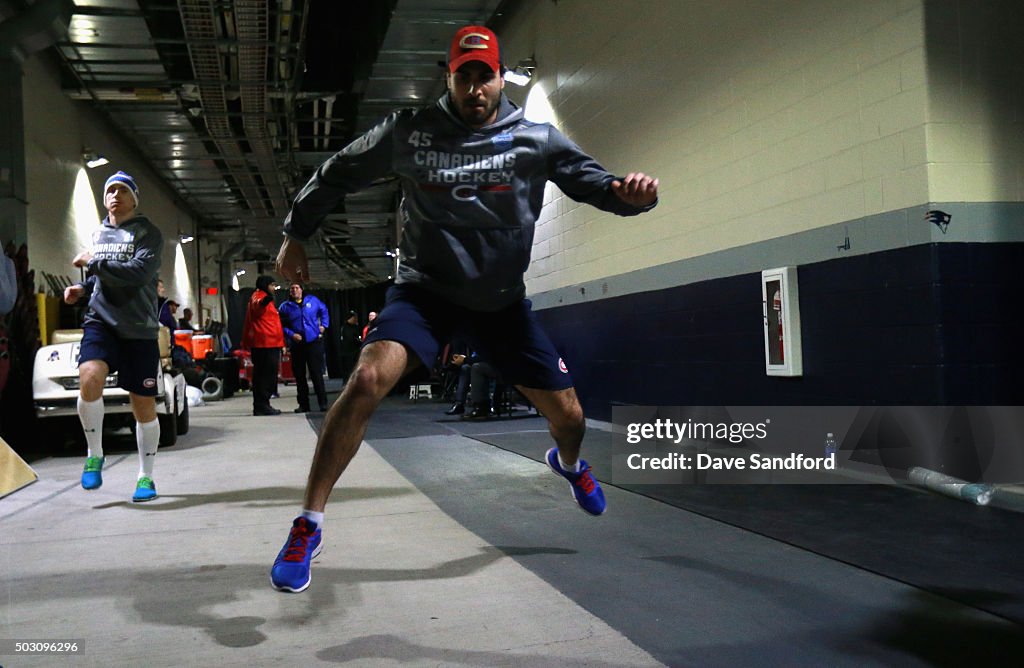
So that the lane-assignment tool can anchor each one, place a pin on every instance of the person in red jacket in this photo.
(369, 324)
(263, 336)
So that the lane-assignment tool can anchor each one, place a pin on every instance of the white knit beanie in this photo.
(125, 180)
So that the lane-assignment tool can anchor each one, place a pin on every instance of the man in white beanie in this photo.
(120, 328)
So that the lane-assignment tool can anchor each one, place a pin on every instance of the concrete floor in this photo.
(183, 580)
(440, 550)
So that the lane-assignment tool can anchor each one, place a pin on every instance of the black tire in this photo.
(168, 429)
(182, 420)
(213, 388)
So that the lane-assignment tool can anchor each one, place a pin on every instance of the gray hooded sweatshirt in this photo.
(122, 277)
(471, 197)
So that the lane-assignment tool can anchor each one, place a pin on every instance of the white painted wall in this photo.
(761, 118)
(56, 131)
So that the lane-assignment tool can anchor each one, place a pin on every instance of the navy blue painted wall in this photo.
(930, 324)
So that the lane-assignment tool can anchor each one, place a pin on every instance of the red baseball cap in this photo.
(474, 43)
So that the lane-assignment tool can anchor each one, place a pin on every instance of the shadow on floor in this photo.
(189, 597)
(256, 497)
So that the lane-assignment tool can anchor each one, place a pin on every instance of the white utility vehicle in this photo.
(55, 388)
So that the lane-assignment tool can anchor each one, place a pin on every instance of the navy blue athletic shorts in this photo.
(135, 360)
(511, 339)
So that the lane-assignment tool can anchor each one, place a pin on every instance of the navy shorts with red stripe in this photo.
(135, 360)
(510, 339)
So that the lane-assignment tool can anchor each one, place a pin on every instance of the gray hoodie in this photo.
(470, 200)
(122, 277)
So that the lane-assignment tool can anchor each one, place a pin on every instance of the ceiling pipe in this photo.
(328, 113)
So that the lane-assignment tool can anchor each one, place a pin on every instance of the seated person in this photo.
(185, 321)
(460, 362)
(474, 379)
(482, 383)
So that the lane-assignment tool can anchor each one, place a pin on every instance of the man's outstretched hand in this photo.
(292, 263)
(73, 293)
(637, 189)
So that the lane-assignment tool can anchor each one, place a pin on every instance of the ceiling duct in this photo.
(35, 28)
(234, 103)
(233, 251)
(247, 157)
(251, 26)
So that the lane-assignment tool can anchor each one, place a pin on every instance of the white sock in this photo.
(147, 436)
(575, 468)
(90, 413)
(314, 516)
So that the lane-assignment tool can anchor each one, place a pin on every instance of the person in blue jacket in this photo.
(167, 312)
(304, 319)
(472, 170)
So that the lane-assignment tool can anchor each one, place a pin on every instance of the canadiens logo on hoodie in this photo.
(459, 168)
(120, 251)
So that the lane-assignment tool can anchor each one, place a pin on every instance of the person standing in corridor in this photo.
(305, 319)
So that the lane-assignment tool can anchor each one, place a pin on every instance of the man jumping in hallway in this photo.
(472, 171)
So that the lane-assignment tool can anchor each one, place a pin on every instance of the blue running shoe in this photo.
(585, 488)
(145, 490)
(291, 568)
(92, 474)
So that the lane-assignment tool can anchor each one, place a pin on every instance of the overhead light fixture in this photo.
(185, 238)
(93, 159)
(521, 74)
(240, 272)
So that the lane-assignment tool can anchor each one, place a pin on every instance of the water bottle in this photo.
(830, 445)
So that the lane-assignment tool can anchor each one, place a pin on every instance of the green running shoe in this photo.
(92, 474)
(145, 490)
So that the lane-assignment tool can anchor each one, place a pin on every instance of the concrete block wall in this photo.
(761, 119)
(975, 117)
